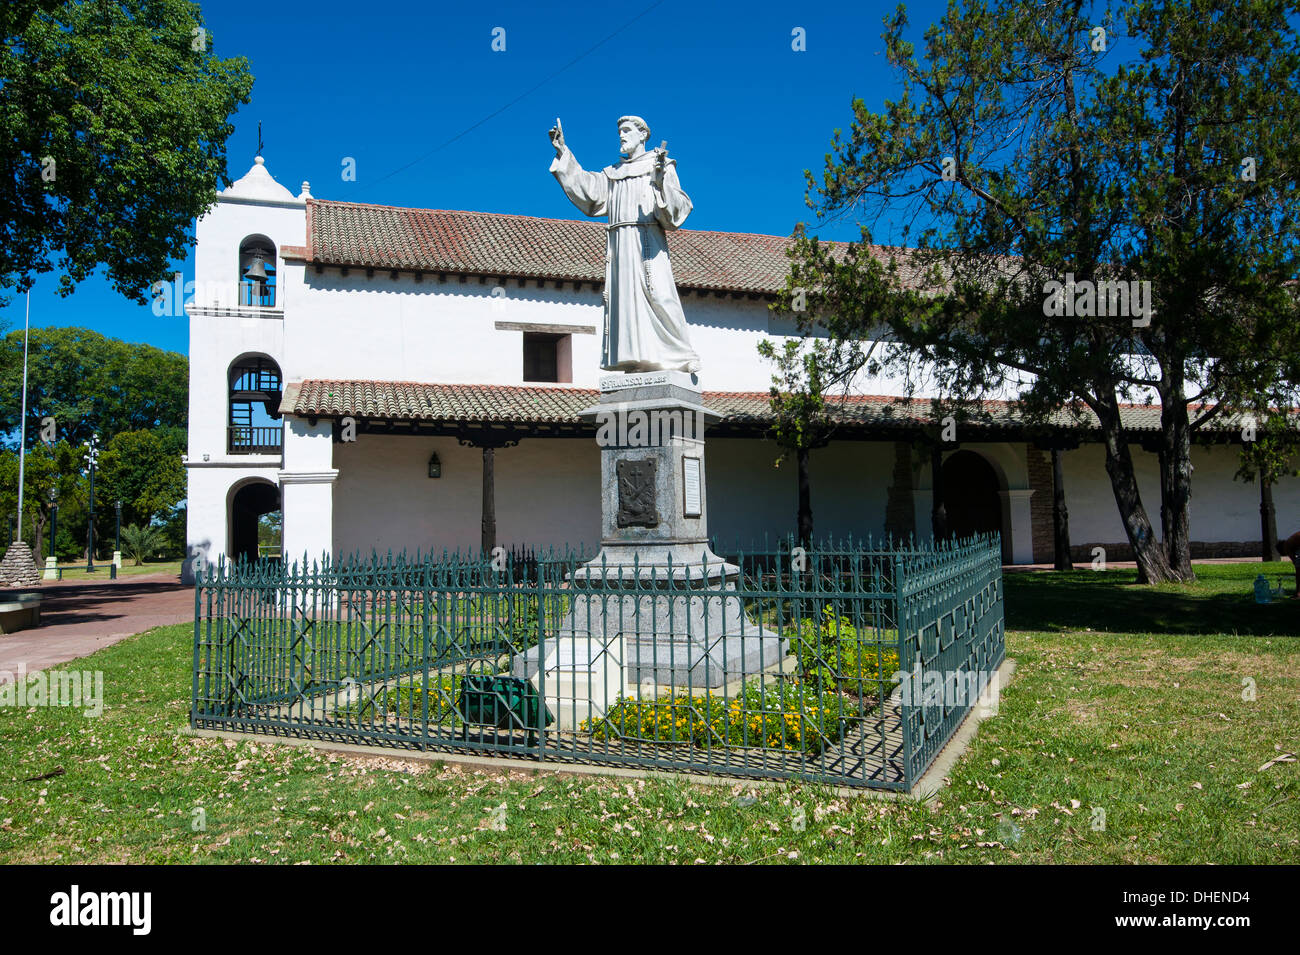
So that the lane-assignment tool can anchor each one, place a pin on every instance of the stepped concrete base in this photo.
(689, 633)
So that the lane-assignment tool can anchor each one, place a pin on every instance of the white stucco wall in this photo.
(401, 330)
(219, 234)
(216, 341)
(1222, 509)
(210, 491)
(1227, 509)
(547, 494)
(220, 331)
(751, 499)
(397, 329)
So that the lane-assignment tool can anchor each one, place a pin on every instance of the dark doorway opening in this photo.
(971, 496)
(247, 507)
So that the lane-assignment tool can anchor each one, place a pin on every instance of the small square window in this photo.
(546, 357)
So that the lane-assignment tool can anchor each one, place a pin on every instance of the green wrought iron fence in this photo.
(851, 665)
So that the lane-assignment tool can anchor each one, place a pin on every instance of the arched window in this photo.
(257, 271)
(255, 426)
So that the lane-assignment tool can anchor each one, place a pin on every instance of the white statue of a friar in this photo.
(645, 327)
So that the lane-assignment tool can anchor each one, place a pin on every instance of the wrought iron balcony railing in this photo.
(261, 295)
(245, 439)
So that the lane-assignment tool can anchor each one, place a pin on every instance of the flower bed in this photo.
(786, 715)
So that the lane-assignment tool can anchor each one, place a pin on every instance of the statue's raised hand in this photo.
(661, 164)
(557, 137)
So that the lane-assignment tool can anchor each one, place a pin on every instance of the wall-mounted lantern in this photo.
(435, 466)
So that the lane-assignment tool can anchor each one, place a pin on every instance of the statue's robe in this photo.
(645, 328)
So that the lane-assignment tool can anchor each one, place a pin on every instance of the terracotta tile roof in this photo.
(416, 401)
(537, 404)
(512, 246)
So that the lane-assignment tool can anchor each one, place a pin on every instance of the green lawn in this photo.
(77, 571)
(1221, 600)
(1150, 728)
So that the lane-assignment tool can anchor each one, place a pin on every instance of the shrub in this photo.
(140, 543)
(486, 622)
(833, 654)
(408, 700)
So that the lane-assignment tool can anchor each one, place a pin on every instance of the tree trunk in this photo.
(1267, 521)
(38, 548)
(1176, 480)
(805, 500)
(1152, 562)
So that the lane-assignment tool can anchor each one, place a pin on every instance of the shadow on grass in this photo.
(1221, 600)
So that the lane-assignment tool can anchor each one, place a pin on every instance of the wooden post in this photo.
(1060, 515)
(489, 500)
(938, 512)
(805, 516)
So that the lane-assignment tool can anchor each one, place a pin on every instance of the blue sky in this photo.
(390, 84)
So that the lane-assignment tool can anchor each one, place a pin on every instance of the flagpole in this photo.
(22, 431)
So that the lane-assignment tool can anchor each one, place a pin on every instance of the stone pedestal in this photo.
(51, 568)
(18, 569)
(656, 584)
(117, 559)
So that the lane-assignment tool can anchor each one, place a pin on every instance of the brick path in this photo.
(80, 617)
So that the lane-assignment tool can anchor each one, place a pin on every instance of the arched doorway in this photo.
(970, 495)
(254, 510)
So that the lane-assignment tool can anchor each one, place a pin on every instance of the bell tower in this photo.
(236, 316)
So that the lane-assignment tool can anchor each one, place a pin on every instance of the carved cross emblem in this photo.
(636, 494)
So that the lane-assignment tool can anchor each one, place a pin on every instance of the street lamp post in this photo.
(51, 570)
(92, 455)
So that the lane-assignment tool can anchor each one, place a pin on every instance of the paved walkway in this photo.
(80, 617)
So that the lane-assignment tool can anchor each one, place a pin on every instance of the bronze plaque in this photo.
(636, 494)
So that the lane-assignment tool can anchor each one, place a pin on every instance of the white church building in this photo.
(409, 379)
